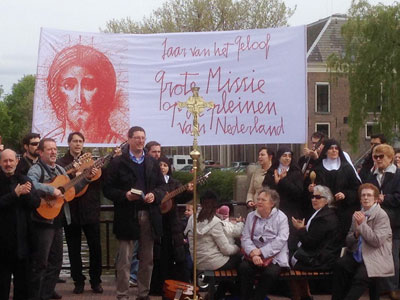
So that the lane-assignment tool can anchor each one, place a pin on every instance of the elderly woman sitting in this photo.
(319, 245)
(264, 242)
(370, 243)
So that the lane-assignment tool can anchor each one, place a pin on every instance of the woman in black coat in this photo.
(169, 251)
(285, 177)
(319, 245)
(335, 172)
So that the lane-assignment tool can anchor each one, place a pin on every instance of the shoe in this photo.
(98, 289)
(79, 288)
(56, 295)
(132, 283)
(60, 280)
(394, 295)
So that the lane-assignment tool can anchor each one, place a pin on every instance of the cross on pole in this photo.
(195, 105)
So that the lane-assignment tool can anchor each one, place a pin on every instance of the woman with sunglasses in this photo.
(386, 177)
(319, 247)
(334, 171)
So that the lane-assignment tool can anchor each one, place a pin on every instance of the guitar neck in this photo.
(183, 188)
(74, 181)
(178, 191)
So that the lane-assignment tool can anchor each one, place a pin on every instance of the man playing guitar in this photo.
(85, 216)
(48, 254)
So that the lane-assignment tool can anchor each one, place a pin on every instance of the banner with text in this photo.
(102, 84)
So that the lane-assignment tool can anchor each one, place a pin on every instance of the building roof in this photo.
(324, 38)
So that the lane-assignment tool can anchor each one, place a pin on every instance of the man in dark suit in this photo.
(136, 213)
(85, 217)
(17, 199)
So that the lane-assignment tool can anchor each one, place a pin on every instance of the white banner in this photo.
(102, 84)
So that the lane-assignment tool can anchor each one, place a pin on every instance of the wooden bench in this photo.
(207, 280)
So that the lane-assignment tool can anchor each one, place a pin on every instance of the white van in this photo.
(179, 161)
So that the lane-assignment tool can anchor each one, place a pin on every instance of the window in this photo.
(325, 128)
(369, 129)
(322, 103)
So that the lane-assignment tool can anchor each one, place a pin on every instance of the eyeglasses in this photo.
(380, 156)
(318, 197)
(333, 148)
(34, 143)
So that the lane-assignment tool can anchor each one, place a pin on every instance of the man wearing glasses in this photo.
(31, 155)
(136, 185)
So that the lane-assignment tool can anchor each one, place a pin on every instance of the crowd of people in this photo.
(301, 215)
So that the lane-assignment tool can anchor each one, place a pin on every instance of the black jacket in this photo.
(391, 203)
(24, 165)
(86, 208)
(320, 246)
(290, 189)
(15, 217)
(342, 180)
(121, 177)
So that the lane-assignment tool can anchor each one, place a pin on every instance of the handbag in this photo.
(266, 261)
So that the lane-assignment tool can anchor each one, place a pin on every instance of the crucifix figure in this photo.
(195, 105)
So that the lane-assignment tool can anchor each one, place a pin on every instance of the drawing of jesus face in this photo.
(79, 88)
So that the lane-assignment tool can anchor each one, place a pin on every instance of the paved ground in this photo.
(109, 292)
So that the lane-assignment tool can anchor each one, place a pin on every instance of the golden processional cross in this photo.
(195, 105)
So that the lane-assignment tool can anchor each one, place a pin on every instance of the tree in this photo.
(16, 112)
(207, 15)
(371, 62)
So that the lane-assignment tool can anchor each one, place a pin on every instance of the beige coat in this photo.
(213, 247)
(376, 244)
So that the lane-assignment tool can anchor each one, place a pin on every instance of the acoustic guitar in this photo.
(80, 163)
(50, 206)
(102, 161)
(178, 290)
(167, 202)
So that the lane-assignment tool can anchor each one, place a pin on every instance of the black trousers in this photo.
(46, 261)
(247, 273)
(73, 235)
(350, 280)
(20, 271)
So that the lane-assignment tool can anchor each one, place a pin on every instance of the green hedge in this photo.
(221, 182)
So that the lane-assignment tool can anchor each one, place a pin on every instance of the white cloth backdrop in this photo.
(256, 78)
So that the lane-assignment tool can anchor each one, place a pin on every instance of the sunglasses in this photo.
(318, 197)
(380, 156)
(34, 143)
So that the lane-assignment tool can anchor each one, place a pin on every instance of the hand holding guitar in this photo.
(92, 173)
(23, 189)
(190, 187)
(57, 193)
(310, 153)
